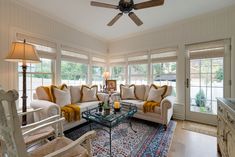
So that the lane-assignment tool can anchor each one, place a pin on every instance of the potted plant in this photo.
(106, 108)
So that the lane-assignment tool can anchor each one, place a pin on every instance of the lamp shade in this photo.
(22, 52)
(106, 75)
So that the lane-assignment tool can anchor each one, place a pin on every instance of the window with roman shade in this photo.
(74, 66)
(164, 63)
(138, 69)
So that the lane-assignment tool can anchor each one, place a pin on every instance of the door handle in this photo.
(187, 83)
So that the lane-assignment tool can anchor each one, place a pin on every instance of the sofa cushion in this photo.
(140, 92)
(146, 94)
(75, 92)
(87, 105)
(127, 92)
(168, 91)
(89, 93)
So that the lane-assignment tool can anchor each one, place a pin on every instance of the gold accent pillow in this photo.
(44, 93)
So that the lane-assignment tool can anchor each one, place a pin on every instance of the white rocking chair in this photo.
(39, 136)
(12, 141)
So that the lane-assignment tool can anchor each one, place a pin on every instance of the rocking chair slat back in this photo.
(10, 131)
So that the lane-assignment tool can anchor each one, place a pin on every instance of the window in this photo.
(97, 75)
(73, 73)
(165, 74)
(40, 74)
(74, 66)
(138, 74)
(164, 67)
(118, 74)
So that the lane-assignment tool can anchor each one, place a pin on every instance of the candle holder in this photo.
(117, 109)
(116, 106)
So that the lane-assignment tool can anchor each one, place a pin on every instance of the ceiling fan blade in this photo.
(115, 19)
(104, 5)
(135, 18)
(148, 4)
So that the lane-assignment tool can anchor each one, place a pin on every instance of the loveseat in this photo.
(161, 114)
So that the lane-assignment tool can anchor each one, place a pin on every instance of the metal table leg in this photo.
(90, 125)
(131, 126)
(110, 141)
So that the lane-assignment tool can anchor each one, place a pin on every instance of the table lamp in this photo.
(106, 75)
(24, 53)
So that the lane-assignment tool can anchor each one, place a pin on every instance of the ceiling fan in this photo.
(126, 7)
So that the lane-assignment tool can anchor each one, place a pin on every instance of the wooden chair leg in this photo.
(165, 127)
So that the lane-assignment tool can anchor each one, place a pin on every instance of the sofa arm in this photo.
(167, 102)
(48, 109)
(103, 96)
(167, 109)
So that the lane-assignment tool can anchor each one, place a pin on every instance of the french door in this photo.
(208, 77)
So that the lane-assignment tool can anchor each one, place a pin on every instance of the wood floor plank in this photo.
(192, 144)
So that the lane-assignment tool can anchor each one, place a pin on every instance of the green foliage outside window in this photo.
(73, 71)
(200, 99)
(219, 75)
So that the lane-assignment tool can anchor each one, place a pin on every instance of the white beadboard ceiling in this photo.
(93, 20)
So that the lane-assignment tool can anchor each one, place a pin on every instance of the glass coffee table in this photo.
(113, 119)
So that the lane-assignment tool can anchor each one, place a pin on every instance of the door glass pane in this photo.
(195, 80)
(206, 84)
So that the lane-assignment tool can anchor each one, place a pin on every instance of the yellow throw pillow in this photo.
(44, 93)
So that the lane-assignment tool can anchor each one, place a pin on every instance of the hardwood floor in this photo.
(191, 144)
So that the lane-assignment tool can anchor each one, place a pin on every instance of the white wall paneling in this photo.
(14, 16)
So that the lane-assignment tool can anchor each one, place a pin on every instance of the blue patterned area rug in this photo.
(150, 140)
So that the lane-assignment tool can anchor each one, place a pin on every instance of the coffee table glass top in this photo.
(127, 110)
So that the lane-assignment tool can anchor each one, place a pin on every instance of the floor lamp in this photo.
(24, 53)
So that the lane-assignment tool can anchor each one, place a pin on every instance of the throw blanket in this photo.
(149, 106)
(71, 112)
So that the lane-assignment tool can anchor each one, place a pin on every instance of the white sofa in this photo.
(50, 108)
(161, 114)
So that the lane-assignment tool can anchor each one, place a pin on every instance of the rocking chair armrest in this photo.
(43, 126)
(44, 121)
(26, 113)
(87, 136)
